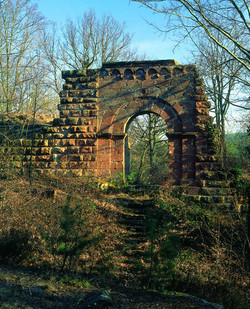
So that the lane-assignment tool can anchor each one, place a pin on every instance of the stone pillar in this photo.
(188, 158)
(175, 158)
(74, 133)
(103, 156)
(117, 159)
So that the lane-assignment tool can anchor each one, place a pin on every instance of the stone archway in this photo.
(96, 105)
(156, 87)
(146, 148)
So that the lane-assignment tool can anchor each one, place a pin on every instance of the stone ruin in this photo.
(96, 107)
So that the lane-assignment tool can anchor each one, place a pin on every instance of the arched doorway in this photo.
(146, 148)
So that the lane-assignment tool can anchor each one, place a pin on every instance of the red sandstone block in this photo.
(78, 100)
(75, 113)
(203, 104)
(75, 172)
(91, 142)
(118, 127)
(86, 113)
(67, 86)
(82, 165)
(53, 165)
(118, 150)
(62, 158)
(103, 143)
(106, 123)
(45, 150)
(68, 142)
(73, 150)
(103, 173)
(79, 129)
(103, 165)
(117, 166)
(87, 157)
(91, 129)
(63, 165)
(179, 108)
(66, 100)
(43, 158)
(75, 158)
(51, 143)
(85, 149)
(73, 165)
(93, 165)
(36, 164)
(80, 142)
(64, 113)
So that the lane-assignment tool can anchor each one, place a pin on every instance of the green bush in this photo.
(159, 258)
(73, 236)
(16, 245)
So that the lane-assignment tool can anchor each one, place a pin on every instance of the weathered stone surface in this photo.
(96, 106)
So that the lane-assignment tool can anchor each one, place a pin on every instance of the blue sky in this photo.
(146, 38)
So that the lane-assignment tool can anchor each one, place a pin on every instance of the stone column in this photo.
(175, 156)
(188, 158)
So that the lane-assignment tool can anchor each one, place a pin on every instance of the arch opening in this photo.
(146, 148)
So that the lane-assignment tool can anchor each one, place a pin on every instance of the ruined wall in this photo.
(96, 106)
(89, 137)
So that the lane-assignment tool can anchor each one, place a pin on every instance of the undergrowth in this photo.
(71, 225)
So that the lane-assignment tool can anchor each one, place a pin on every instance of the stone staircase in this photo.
(132, 215)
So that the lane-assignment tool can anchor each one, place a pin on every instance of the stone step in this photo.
(133, 240)
(136, 229)
(212, 199)
(131, 219)
(202, 190)
(131, 204)
(215, 183)
(211, 175)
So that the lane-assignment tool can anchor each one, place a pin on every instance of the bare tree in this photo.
(20, 24)
(221, 79)
(51, 54)
(229, 18)
(148, 148)
(91, 41)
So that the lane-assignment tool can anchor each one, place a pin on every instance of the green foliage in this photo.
(76, 282)
(163, 246)
(74, 236)
(238, 161)
(105, 264)
(16, 245)
(123, 181)
(238, 151)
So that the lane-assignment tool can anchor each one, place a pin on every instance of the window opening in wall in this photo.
(146, 149)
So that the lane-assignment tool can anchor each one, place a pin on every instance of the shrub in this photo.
(73, 236)
(16, 245)
(159, 258)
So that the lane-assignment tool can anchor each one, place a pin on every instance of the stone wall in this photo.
(88, 139)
